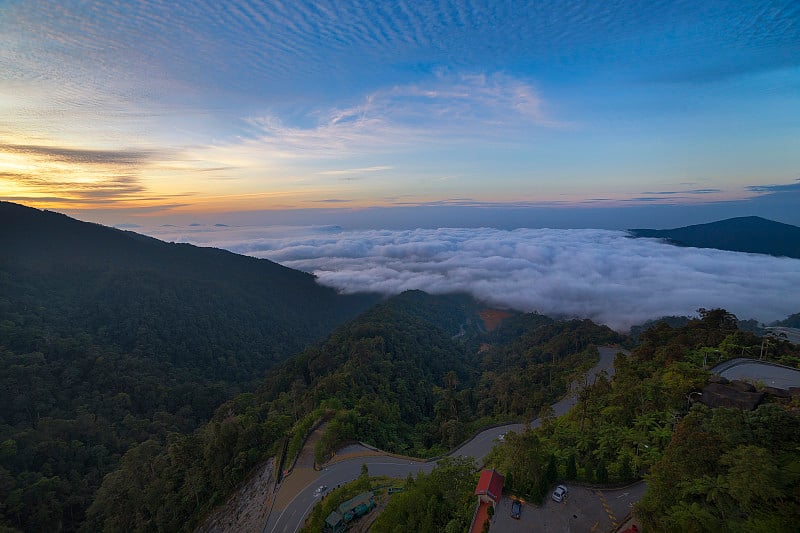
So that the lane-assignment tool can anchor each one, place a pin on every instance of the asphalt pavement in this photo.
(780, 377)
(584, 509)
(289, 518)
(480, 445)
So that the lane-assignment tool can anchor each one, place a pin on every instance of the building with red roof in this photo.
(488, 491)
(490, 486)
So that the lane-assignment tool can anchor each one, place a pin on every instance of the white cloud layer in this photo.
(599, 274)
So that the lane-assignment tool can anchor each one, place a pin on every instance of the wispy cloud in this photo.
(80, 155)
(269, 94)
(690, 191)
(333, 201)
(444, 109)
(654, 199)
(472, 202)
(494, 99)
(67, 175)
(776, 189)
(244, 42)
(353, 171)
(603, 275)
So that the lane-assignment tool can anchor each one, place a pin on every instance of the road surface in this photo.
(483, 442)
(777, 376)
(584, 509)
(290, 517)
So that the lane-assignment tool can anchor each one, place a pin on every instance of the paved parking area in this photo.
(583, 510)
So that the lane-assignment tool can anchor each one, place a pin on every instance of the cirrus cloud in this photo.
(443, 108)
(603, 275)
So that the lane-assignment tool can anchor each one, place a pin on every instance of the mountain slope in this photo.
(400, 376)
(376, 378)
(792, 321)
(742, 234)
(109, 339)
(227, 314)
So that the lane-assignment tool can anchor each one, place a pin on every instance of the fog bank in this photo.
(603, 275)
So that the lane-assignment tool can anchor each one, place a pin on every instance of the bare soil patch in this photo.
(492, 318)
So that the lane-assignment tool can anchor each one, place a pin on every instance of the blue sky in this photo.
(604, 113)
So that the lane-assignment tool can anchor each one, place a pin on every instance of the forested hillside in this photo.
(109, 338)
(727, 470)
(219, 314)
(443, 500)
(401, 377)
(792, 321)
(699, 460)
(143, 381)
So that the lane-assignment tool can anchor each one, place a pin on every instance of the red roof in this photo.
(491, 484)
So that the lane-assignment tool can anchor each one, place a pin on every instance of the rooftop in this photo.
(490, 483)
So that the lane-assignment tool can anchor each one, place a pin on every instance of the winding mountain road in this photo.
(289, 517)
(771, 374)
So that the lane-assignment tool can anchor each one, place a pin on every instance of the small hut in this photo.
(490, 487)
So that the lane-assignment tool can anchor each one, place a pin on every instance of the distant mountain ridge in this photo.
(741, 234)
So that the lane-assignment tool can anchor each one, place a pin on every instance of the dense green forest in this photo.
(214, 313)
(109, 340)
(727, 470)
(707, 469)
(392, 377)
(144, 381)
(403, 384)
(440, 501)
(642, 421)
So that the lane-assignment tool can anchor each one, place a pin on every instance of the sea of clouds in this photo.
(599, 274)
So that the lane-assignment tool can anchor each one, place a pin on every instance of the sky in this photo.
(402, 114)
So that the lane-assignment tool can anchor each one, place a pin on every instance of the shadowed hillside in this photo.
(742, 234)
(395, 377)
(219, 313)
(109, 339)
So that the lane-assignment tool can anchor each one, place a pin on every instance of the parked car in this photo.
(319, 490)
(501, 437)
(516, 509)
(560, 493)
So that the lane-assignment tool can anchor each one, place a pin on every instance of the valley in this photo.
(425, 266)
(147, 381)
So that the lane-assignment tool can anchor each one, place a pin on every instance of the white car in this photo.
(319, 490)
(501, 437)
(560, 493)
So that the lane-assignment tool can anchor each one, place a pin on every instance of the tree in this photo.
(552, 469)
(601, 474)
(753, 478)
(363, 478)
(625, 472)
(572, 468)
(439, 501)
